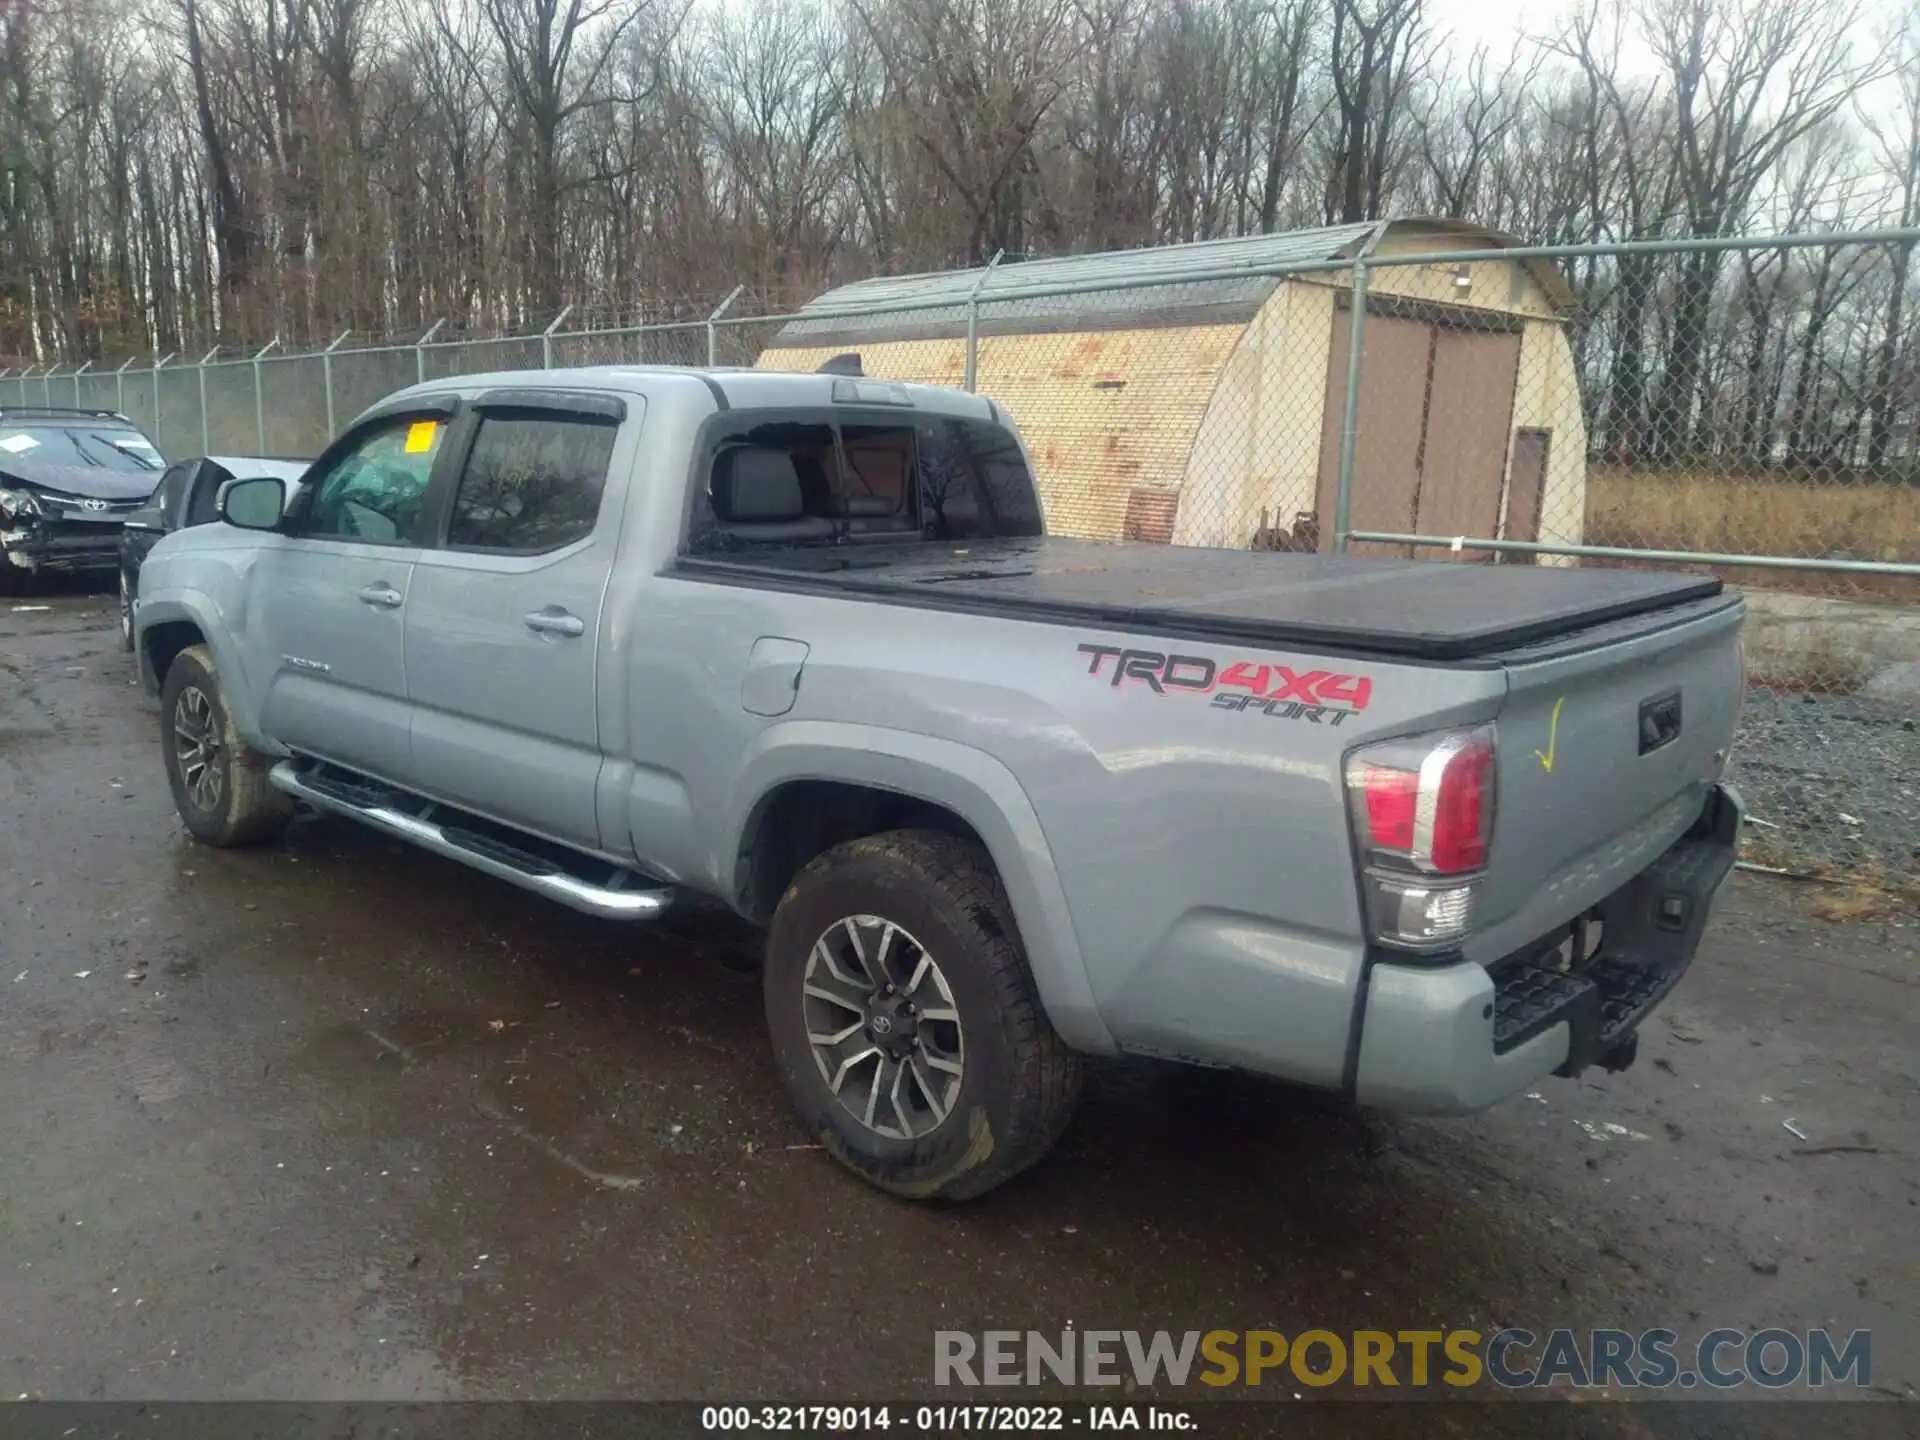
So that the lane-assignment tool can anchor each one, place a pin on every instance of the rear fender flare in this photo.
(974, 786)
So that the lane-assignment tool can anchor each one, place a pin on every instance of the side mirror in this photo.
(253, 504)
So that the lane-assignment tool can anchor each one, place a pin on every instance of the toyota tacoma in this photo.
(1419, 834)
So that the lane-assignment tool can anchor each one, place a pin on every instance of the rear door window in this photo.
(533, 481)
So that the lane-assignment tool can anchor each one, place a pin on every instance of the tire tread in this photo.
(1046, 1073)
(253, 811)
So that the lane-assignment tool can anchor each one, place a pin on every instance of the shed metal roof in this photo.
(1141, 287)
(1135, 267)
(938, 300)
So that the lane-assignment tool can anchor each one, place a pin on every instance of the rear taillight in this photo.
(1422, 812)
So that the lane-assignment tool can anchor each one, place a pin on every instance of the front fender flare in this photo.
(977, 788)
(197, 608)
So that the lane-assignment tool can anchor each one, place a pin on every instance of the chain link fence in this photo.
(1747, 407)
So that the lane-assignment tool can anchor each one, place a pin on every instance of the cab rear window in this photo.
(813, 479)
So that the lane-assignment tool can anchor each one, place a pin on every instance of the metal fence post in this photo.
(326, 375)
(5, 370)
(713, 325)
(46, 384)
(420, 350)
(259, 397)
(973, 317)
(206, 427)
(158, 428)
(85, 366)
(546, 337)
(1350, 428)
(120, 387)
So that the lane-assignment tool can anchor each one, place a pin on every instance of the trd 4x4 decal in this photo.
(1245, 685)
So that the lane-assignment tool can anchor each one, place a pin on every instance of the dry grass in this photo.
(1762, 515)
(1841, 891)
(1823, 668)
(1856, 902)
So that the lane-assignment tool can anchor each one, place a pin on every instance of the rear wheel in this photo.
(220, 786)
(905, 1019)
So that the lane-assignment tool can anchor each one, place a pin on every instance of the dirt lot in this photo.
(335, 1119)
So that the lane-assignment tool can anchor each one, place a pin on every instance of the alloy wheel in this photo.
(197, 746)
(883, 1027)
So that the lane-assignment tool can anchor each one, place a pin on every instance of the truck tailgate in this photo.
(1606, 751)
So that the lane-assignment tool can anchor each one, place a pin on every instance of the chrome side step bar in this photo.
(378, 805)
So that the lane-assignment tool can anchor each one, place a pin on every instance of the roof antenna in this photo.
(844, 364)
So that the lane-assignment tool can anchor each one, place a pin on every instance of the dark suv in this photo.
(68, 481)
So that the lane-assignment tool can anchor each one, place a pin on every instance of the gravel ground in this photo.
(338, 1120)
(1836, 779)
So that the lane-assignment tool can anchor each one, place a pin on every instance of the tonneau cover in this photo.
(1429, 610)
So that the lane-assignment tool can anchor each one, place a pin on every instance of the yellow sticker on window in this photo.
(420, 436)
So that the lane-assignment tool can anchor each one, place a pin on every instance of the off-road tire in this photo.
(1020, 1080)
(247, 809)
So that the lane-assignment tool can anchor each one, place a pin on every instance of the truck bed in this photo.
(1416, 610)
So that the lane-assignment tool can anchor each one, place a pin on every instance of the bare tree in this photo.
(975, 79)
(1897, 145)
(1749, 78)
(231, 231)
(1277, 92)
(1632, 191)
(1465, 123)
(775, 113)
(550, 57)
(187, 172)
(1378, 48)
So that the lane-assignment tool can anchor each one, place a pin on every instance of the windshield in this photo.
(108, 447)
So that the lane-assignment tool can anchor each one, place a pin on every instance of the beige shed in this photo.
(1210, 412)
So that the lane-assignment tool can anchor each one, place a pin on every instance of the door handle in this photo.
(555, 621)
(383, 595)
(1659, 722)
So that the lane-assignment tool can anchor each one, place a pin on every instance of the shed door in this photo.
(1526, 483)
(1386, 456)
(1436, 407)
(1469, 416)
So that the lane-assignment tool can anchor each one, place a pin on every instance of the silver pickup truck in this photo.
(1418, 834)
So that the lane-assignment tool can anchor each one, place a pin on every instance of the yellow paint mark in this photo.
(1553, 738)
(420, 436)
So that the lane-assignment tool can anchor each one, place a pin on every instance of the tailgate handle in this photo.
(1659, 722)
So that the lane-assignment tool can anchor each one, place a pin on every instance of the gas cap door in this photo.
(773, 675)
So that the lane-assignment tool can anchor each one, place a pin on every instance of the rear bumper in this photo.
(1452, 1039)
